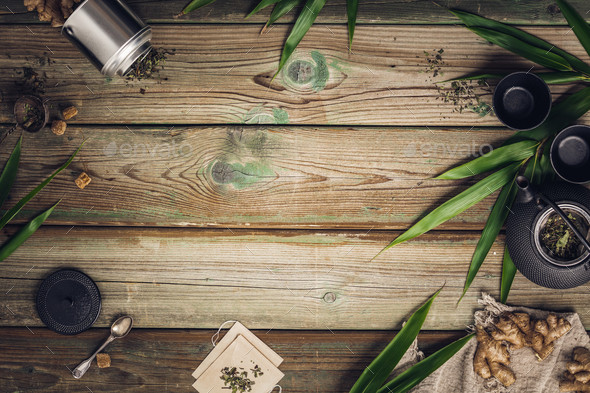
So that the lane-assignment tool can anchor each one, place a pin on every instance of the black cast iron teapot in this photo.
(533, 220)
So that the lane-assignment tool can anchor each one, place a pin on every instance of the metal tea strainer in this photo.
(30, 113)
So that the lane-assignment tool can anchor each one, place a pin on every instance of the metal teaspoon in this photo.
(120, 328)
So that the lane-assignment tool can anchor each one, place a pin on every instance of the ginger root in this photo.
(54, 11)
(551, 329)
(492, 359)
(581, 362)
(577, 376)
(509, 329)
(518, 331)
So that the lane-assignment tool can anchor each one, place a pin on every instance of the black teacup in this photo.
(570, 154)
(522, 101)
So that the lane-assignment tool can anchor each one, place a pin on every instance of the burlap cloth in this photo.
(457, 375)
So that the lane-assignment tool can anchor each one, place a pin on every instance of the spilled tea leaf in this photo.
(149, 66)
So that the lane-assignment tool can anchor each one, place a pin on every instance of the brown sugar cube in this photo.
(58, 127)
(83, 180)
(70, 112)
(103, 360)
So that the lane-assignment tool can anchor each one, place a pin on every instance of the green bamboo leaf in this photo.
(491, 230)
(559, 77)
(532, 53)
(418, 372)
(550, 78)
(577, 23)
(194, 5)
(351, 10)
(304, 21)
(561, 116)
(263, 4)
(495, 159)
(548, 174)
(16, 208)
(282, 8)
(24, 233)
(533, 170)
(537, 175)
(508, 274)
(377, 372)
(475, 77)
(9, 172)
(478, 21)
(457, 204)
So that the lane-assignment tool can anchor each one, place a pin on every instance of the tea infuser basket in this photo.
(523, 237)
(22, 114)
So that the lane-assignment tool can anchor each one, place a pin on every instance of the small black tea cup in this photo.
(522, 101)
(570, 154)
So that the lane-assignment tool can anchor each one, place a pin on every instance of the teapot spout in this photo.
(526, 191)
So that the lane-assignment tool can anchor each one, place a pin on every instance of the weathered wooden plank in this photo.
(529, 12)
(223, 76)
(250, 176)
(188, 278)
(163, 360)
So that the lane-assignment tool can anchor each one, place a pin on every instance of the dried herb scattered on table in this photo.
(435, 63)
(560, 240)
(238, 381)
(467, 95)
(147, 67)
(33, 81)
(462, 94)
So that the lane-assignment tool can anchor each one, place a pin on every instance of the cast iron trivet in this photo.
(68, 302)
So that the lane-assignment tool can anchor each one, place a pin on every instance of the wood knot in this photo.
(241, 175)
(330, 297)
(553, 9)
(222, 173)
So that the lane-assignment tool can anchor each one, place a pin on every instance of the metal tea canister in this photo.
(109, 34)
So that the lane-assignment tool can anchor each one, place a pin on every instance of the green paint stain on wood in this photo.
(321, 71)
(339, 65)
(263, 114)
(281, 116)
(240, 176)
(245, 161)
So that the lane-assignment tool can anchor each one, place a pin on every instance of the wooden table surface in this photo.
(217, 196)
